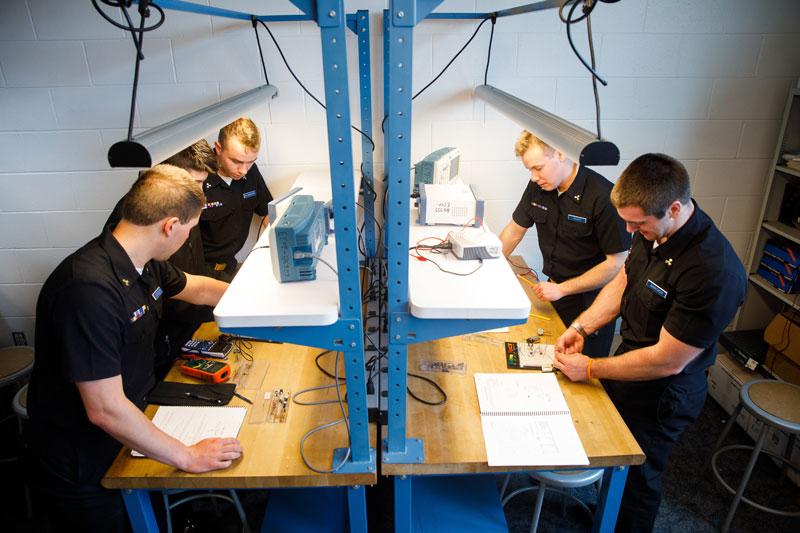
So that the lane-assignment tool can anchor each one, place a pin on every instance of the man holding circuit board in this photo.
(582, 239)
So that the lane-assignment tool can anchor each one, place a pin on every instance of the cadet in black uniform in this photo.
(180, 319)
(233, 194)
(582, 239)
(96, 319)
(681, 286)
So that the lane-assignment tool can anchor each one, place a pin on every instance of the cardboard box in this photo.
(783, 357)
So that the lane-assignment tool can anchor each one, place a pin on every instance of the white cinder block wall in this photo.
(702, 80)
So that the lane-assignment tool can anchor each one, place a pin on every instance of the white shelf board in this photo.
(779, 228)
(255, 298)
(493, 292)
(789, 299)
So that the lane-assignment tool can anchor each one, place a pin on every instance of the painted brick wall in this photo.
(703, 80)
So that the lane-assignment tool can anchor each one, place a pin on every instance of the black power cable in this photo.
(317, 100)
(144, 12)
(254, 20)
(472, 37)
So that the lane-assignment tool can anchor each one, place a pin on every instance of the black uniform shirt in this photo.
(96, 318)
(577, 229)
(225, 221)
(691, 285)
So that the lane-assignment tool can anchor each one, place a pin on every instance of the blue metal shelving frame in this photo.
(346, 334)
(398, 25)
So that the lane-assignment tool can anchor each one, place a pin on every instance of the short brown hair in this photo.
(161, 192)
(652, 182)
(244, 130)
(199, 157)
(526, 140)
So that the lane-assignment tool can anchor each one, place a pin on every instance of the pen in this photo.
(526, 280)
(242, 398)
(204, 398)
(534, 315)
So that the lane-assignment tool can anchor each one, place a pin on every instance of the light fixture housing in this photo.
(159, 143)
(576, 143)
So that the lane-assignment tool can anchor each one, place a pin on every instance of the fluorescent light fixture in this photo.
(578, 144)
(157, 144)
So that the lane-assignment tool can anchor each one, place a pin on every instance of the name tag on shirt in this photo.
(139, 313)
(157, 293)
(576, 218)
(249, 194)
(540, 206)
(656, 289)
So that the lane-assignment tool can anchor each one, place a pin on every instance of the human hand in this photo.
(548, 291)
(570, 342)
(212, 454)
(573, 365)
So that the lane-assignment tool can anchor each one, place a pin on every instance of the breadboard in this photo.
(272, 407)
(250, 374)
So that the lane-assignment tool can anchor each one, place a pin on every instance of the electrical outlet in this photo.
(19, 338)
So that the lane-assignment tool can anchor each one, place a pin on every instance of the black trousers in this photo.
(63, 503)
(569, 307)
(657, 412)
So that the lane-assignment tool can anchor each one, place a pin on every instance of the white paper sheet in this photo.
(191, 424)
(526, 421)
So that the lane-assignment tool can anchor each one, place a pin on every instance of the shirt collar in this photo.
(121, 262)
(680, 240)
(213, 180)
(575, 191)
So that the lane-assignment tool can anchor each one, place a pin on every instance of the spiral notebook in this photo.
(191, 424)
(526, 421)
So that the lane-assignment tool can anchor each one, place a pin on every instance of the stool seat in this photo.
(16, 362)
(775, 401)
(568, 479)
(20, 402)
(773, 404)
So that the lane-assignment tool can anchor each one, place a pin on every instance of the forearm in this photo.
(637, 365)
(606, 306)
(202, 290)
(126, 423)
(510, 237)
(594, 278)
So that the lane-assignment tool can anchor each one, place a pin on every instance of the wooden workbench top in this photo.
(271, 450)
(452, 434)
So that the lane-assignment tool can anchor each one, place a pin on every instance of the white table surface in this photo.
(255, 298)
(493, 292)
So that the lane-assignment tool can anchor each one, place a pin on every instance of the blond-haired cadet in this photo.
(582, 240)
(234, 193)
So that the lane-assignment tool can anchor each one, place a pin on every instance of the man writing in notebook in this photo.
(582, 240)
(96, 319)
(680, 287)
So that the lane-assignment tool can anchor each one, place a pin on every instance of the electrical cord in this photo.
(144, 12)
(324, 262)
(588, 7)
(328, 425)
(472, 37)
(254, 20)
(317, 100)
(489, 53)
(436, 386)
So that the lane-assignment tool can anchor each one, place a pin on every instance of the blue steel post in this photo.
(402, 17)
(331, 20)
(140, 510)
(609, 499)
(360, 26)
(357, 508)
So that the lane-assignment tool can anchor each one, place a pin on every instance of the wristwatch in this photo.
(577, 327)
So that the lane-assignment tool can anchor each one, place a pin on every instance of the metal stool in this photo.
(555, 481)
(16, 362)
(775, 404)
(233, 498)
(20, 406)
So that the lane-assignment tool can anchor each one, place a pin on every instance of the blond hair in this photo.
(652, 182)
(199, 157)
(244, 130)
(526, 140)
(161, 192)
